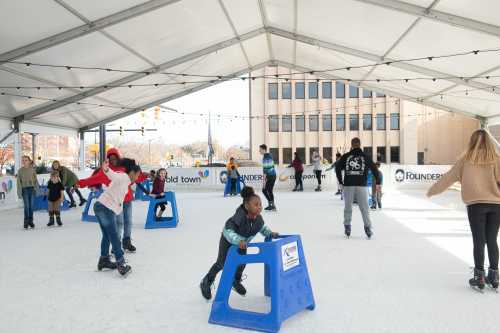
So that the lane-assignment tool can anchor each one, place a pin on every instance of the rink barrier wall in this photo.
(396, 176)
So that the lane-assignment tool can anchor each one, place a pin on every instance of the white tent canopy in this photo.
(232, 37)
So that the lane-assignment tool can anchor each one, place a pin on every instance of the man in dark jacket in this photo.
(355, 165)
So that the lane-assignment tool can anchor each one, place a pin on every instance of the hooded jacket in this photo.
(100, 178)
(355, 165)
(240, 227)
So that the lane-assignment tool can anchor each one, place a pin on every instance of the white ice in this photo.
(412, 277)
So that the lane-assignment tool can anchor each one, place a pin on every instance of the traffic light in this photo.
(121, 130)
(142, 130)
(157, 113)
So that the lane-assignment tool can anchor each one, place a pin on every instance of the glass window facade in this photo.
(300, 124)
(326, 88)
(340, 89)
(394, 121)
(313, 89)
(286, 90)
(381, 122)
(367, 122)
(313, 123)
(340, 122)
(353, 92)
(300, 90)
(286, 123)
(274, 124)
(354, 122)
(327, 122)
(273, 90)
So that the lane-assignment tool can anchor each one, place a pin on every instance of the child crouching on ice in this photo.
(239, 230)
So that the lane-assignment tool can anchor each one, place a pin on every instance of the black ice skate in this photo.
(271, 207)
(206, 288)
(82, 202)
(239, 288)
(51, 220)
(318, 189)
(368, 232)
(127, 245)
(26, 224)
(492, 279)
(58, 219)
(478, 281)
(123, 268)
(347, 230)
(105, 262)
(31, 224)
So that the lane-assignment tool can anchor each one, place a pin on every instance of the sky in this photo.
(227, 98)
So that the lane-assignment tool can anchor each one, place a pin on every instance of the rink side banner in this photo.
(415, 176)
(8, 192)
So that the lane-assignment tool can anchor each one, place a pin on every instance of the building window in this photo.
(286, 90)
(300, 124)
(300, 90)
(326, 88)
(275, 153)
(311, 150)
(420, 158)
(340, 122)
(313, 123)
(367, 122)
(380, 95)
(339, 89)
(381, 122)
(394, 121)
(286, 123)
(353, 92)
(313, 89)
(368, 151)
(287, 156)
(367, 93)
(301, 152)
(273, 124)
(394, 154)
(327, 122)
(353, 122)
(273, 91)
(327, 154)
(381, 155)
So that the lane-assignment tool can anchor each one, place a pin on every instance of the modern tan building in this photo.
(301, 113)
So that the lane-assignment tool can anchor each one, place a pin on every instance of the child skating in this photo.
(239, 230)
(27, 187)
(158, 191)
(108, 207)
(55, 198)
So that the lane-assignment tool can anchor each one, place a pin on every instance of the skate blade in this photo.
(477, 289)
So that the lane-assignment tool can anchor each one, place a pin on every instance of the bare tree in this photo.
(6, 156)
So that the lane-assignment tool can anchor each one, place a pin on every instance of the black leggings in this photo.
(298, 179)
(484, 220)
(70, 195)
(224, 246)
(318, 176)
(268, 188)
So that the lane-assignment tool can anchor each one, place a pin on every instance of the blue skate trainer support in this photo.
(286, 281)
(86, 216)
(227, 187)
(165, 222)
(139, 193)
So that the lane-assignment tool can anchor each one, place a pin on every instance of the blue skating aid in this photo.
(286, 281)
(139, 193)
(86, 216)
(165, 222)
(227, 187)
(42, 201)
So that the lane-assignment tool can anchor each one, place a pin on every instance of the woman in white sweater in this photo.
(108, 207)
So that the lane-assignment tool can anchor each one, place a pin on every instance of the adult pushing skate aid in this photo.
(86, 215)
(153, 222)
(286, 282)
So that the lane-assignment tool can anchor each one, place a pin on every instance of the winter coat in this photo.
(355, 165)
(241, 228)
(26, 177)
(297, 165)
(68, 177)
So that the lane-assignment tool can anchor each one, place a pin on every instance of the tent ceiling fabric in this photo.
(229, 37)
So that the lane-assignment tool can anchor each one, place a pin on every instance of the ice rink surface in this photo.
(411, 277)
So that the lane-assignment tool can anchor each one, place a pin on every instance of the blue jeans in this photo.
(28, 194)
(107, 222)
(124, 221)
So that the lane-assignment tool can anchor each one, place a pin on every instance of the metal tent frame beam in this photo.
(388, 92)
(85, 29)
(133, 77)
(435, 15)
(376, 58)
(172, 97)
